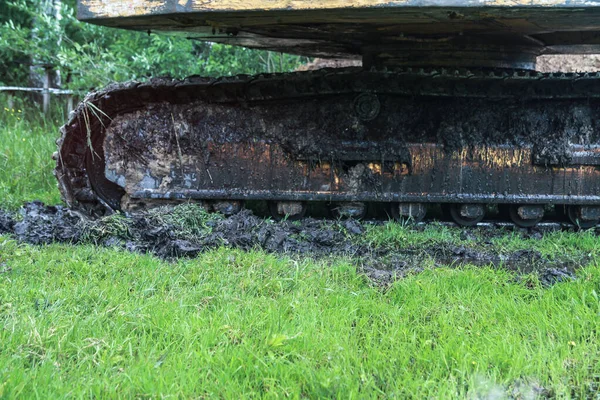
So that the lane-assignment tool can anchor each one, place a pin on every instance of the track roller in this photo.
(525, 216)
(227, 207)
(584, 217)
(350, 209)
(290, 210)
(409, 211)
(466, 214)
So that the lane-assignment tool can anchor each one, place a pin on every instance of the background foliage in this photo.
(41, 32)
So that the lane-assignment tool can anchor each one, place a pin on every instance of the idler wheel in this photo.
(414, 212)
(108, 192)
(466, 214)
(584, 217)
(289, 210)
(227, 207)
(525, 216)
(350, 209)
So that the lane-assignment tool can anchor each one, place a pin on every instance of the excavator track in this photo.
(407, 137)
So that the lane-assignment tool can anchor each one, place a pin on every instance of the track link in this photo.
(406, 137)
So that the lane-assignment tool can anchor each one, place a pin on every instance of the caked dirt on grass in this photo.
(187, 230)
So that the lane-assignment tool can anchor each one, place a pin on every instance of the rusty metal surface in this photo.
(509, 32)
(404, 136)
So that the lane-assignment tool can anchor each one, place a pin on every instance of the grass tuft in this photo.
(115, 225)
(184, 221)
(188, 219)
(399, 235)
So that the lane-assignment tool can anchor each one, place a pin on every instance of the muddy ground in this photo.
(185, 232)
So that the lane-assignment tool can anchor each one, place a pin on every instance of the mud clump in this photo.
(187, 230)
(6, 222)
(40, 224)
(386, 267)
(243, 231)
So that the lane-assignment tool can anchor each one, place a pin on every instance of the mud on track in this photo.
(186, 231)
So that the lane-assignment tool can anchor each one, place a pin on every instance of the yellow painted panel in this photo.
(110, 8)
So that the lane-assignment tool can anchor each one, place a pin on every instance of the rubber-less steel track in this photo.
(406, 137)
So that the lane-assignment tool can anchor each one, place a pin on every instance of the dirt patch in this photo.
(186, 231)
(549, 63)
(569, 63)
(319, 63)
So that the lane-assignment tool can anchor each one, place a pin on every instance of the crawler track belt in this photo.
(522, 140)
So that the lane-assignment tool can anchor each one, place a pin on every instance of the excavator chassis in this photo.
(406, 137)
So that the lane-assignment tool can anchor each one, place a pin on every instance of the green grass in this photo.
(394, 235)
(91, 322)
(27, 141)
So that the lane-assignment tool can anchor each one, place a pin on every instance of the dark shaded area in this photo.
(148, 232)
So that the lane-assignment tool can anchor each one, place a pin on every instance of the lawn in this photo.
(27, 141)
(89, 321)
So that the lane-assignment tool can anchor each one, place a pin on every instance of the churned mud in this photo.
(186, 231)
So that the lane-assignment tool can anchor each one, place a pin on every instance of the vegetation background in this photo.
(34, 33)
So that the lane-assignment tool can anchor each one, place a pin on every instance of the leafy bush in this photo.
(47, 32)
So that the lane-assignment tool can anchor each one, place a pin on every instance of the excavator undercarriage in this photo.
(465, 135)
(405, 137)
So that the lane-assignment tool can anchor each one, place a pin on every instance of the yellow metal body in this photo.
(510, 33)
